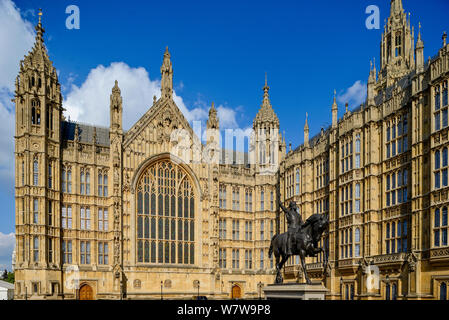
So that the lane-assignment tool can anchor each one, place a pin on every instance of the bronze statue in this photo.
(301, 239)
(293, 221)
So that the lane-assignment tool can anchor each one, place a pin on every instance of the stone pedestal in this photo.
(296, 291)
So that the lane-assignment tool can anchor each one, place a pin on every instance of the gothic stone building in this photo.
(381, 175)
(105, 213)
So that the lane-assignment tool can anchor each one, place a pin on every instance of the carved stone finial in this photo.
(166, 76)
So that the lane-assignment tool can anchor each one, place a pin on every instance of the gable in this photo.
(161, 119)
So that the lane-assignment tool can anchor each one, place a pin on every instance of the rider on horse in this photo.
(293, 221)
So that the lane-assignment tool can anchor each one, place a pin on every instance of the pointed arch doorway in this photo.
(86, 292)
(236, 292)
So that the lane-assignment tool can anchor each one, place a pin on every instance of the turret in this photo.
(38, 105)
(419, 52)
(334, 111)
(397, 46)
(306, 133)
(267, 137)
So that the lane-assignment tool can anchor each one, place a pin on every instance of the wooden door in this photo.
(236, 292)
(86, 292)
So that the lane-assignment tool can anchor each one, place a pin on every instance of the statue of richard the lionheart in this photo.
(301, 239)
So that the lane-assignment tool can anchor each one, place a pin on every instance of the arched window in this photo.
(436, 225)
(35, 172)
(394, 291)
(35, 112)
(387, 237)
(357, 242)
(33, 115)
(35, 249)
(165, 215)
(437, 160)
(297, 181)
(87, 182)
(445, 157)
(443, 291)
(50, 176)
(82, 183)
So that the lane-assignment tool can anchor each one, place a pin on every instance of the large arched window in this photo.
(165, 204)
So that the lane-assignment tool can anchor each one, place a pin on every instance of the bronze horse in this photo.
(304, 243)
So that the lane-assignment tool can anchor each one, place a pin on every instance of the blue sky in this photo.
(220, 52)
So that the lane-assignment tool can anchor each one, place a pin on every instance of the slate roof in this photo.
(86, 133)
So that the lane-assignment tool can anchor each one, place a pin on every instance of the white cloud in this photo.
(226, 117)
(16, 39)
(354, 95)
(7, 242)
(90, 101)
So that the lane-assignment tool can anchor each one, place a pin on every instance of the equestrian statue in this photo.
(301, 239)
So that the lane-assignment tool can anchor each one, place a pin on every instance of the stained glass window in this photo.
(165, 214)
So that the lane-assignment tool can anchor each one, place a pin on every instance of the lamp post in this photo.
(161, 290)
(196, 284)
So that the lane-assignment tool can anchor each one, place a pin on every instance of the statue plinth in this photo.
(298, 291)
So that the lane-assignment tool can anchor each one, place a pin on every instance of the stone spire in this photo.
(116, 108)
(166, 77)
(397, 56)
(39, 31)
(396, 7)
(306, 132)
(334, 111)
(419, 42)
(419, 52)
(266, 113)
(371, 84)
(266, 97)
(38, 54)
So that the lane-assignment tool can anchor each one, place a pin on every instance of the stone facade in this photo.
(105, 213)
(380, 174)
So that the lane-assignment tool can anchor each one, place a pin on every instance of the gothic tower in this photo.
(267, 137)
(38, 103)
(116, 166)
(397, 46)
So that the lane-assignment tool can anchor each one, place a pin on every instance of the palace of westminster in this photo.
(104, 213)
